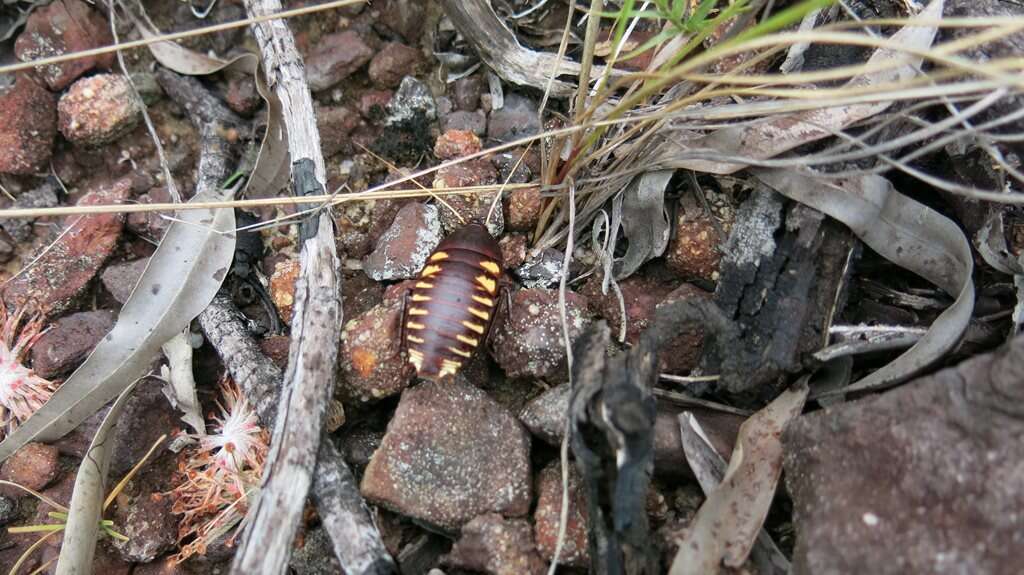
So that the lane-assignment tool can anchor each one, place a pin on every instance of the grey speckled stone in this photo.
(451, 453)
(405, 246)
(925, 479)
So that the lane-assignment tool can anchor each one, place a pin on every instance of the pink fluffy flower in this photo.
(22, 392)
(219, 475)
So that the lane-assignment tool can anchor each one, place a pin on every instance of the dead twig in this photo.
(356, 540)
(309, 380)
(498, 47)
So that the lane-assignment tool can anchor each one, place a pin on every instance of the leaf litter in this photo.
(904, 231)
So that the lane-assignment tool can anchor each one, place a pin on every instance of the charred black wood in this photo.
(780, 284)
(612, 413)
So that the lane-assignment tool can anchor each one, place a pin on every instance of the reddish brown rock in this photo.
(682, 354)
(372, 362)
(68, 341)
(695, 252)
(150, 526)
(63, 272)
(455, 144)
(529, 342)
(98, 110)
(394, 62)
(23, 229)
(64, 27)
(513, 250)
(640, 294)
(471, 206)
(548, 513)
(544, 415)
(497, 546)
(358, 445)
(475, 122)
(450, 454)
(336, 125)
(120, 279)
(282, 287)
(466, 92)
(516, 166)
(373, 104)
(34, 466)
(241, 94)
(669, 459)
(276, 348)
(923, 479)
(403, 249)
(335, 57)
(404, 17)
(516, 119)
(28, 124)
(150, 224)
(523, 208)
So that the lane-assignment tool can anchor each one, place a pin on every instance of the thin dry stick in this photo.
(563, 514)
(327, 200)
(312, 355)
(172, 188)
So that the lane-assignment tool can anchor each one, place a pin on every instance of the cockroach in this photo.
(450, 310)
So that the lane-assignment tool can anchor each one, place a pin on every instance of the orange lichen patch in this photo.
(364, 361)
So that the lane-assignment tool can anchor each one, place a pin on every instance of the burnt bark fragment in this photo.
(612, 414)
(783, 267)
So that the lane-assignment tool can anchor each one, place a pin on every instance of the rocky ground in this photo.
(463, 476)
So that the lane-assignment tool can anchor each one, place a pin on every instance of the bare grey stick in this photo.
(357, 542)
(309, 379)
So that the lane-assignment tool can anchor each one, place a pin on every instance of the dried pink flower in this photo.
(219, 474)
(22, 392)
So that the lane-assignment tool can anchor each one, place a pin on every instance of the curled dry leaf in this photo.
(709, 468)
(905, 232)
(728, 523)
(993, 248)
(643, 219)
(86, 508)
(270, 174)
(179, 375)
(773, 135)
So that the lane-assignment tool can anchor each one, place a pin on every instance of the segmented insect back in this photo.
(452, 306)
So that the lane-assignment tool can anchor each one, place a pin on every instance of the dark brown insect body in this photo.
(450, 310)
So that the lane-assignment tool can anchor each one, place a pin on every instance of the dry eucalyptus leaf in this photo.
(270, 174)
(709, 469)
(178, 352)
(86, 508)
(180, 280)
(644, 223)
(729, 521)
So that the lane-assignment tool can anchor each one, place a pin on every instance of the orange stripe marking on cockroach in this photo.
(455, 302)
